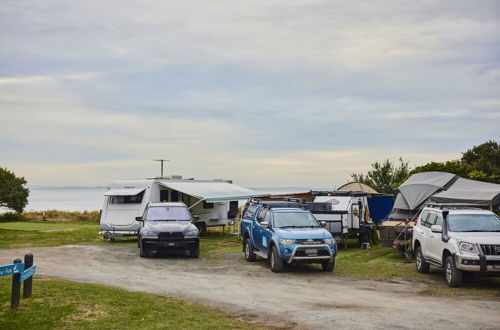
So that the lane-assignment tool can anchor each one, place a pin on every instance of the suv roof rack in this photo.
(442, 206)
(282, 203)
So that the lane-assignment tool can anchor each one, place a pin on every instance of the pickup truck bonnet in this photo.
(303, 233)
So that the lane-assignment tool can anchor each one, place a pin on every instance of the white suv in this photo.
(457, 239)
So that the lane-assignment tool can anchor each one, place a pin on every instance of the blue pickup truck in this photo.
(286, 234)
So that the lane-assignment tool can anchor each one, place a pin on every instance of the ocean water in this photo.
(92, 198)
(65, 198)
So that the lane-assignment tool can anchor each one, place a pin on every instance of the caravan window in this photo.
(134, 199)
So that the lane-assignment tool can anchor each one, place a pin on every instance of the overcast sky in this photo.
(267, 93)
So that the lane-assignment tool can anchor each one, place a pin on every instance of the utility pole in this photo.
(161, 161)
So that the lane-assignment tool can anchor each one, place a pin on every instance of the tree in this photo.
(13, 194)
(385, 176)
(481, 163)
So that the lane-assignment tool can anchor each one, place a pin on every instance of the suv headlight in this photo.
(329, 241)
(287, 241)
(469, 248)
(192, 232)
(149, 234)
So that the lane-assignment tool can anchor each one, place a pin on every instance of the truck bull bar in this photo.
(315, 246)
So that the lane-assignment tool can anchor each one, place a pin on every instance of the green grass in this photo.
(58, 304)
(41, 234)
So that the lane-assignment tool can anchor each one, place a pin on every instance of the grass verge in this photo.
(58, 304)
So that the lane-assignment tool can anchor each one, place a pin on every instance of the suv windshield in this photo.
(294, 219)
(168, 213)
(473, 222)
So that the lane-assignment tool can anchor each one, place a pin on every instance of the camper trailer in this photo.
(211, 202)
(346, 213)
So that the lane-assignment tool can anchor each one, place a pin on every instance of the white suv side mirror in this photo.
(436, 229)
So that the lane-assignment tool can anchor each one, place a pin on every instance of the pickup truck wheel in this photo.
(276, 261)
(328, 265)
(420, 263)
(453, 276)
(248, 247)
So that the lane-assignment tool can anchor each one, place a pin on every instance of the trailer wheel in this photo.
(107, 236)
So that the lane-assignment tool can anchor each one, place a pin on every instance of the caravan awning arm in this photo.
(198, 202)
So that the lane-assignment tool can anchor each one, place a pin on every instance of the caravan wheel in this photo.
(107, 236)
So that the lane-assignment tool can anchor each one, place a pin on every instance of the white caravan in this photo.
(211, 202)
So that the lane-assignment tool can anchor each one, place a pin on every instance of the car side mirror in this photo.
(322, 223)
(138, 219)
(436, 229)
(264, 224)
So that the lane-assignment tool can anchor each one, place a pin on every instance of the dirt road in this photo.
(304, 297)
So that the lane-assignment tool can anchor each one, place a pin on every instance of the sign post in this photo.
(16, 288)
(28, 283)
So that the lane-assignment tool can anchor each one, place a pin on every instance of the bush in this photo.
(55, 215)
(11, 217)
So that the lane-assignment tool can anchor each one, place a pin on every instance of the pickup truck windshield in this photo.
(473, 222)
(168, 213)
(294, 219)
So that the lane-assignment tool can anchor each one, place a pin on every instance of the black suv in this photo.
(168, 228)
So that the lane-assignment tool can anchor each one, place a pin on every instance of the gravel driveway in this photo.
(304, 297)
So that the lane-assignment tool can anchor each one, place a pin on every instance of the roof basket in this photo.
(452, 205)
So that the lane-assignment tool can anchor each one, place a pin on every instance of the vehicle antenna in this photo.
(161, 161)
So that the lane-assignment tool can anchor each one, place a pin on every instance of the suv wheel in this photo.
(328, 265)
(141, 250)
(248, 248)
(276, 262)
(453, 275)
(194, 252)
(420, 263)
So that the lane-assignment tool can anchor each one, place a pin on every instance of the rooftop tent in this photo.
(417, 189)
(470, 192)
(210, 191)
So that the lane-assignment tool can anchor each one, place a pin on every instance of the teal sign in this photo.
(11, 269)
(27, 273)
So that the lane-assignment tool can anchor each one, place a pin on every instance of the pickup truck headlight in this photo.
(287, 241)
(469, 248)
(329, 241)
(149, 234)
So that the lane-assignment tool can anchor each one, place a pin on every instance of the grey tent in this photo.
(482, 194)
(412, 194)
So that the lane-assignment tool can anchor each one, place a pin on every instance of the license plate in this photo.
(171, 244)
(312, 252)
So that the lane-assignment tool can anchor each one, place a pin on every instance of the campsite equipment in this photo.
(211, 202)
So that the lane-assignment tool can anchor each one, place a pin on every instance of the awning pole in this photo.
(201, 200)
